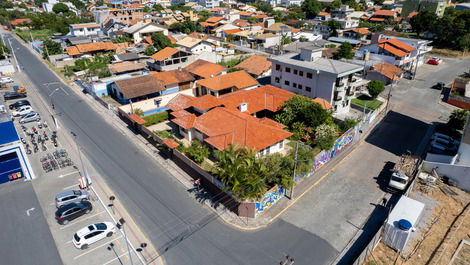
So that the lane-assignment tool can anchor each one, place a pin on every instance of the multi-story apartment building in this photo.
(209, 3)
(433, 6)
(309, 74)
(127, 14)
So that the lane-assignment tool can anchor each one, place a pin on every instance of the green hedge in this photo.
(155, 118)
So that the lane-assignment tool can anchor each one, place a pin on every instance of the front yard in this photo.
(366, 101)
(40, 34)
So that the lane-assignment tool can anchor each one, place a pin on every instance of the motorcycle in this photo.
(44, 148)
(23, 128)
(44, 135)
(44, 123)
(23, 140)
(39, 125)
(35, 131)
(28, 151)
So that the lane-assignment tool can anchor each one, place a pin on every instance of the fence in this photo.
(370, 247)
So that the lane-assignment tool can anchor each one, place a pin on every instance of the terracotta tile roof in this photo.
(205, 69)
(261, 98)
(244, 13)
(85, 25)
(388, 13)
(172, 39)
(90, 47)
(388, 70)
(400, 44)
(395, 47)
(180, 102)
(325, 14)
(231, 31)
(323, 103)
(412, 14)
(173, 77)
(378, 19)
(241, 23)
(255, 65)
(260, 16)
(139, 86)
(238, 80)
(148, 40)
(180, 113)
(362, 31)
(186, 122)
(279, 27)
(224, 127)
(72, 51)
(188, 42)
(20, 21)
(213, 20)
(273, 123)
(391, 49)
(137, 118)
(171, 143)
(205, 102)
(205, 24)
(126, 67)
(164, 53)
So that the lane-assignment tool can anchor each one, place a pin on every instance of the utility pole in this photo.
(88, 182)
(390, 93)
(295, 169)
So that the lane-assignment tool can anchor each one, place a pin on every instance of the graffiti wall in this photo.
(269, 199)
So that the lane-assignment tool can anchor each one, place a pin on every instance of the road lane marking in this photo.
(68, 174)
(118, 257)
(68, 242)
(71, 186)
(83, 219)
(91, 250)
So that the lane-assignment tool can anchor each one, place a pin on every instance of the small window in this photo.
(295, 71)
(309, 75)
(277, 80)
(287, 69)
(294, 85)
(278, 67)
(301, 73)
(281, 144)
(267, 150)
(300, 87)
(286, 83)
(308, 89)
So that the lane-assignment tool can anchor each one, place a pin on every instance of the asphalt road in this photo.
(25, 237)
(160, 206)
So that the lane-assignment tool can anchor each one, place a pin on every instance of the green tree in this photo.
(121, 39)
(333, 5)
(344, 51)
(334, 26)
(422, 22)
(4, 51)
(157, 7)
(60, 8)
(78, 4)
(197, 152)
(464, 43)
(311, 8)
(160, 41)
(150, 50)
(375, 88)
(325, 136)
(186, 27)
(51, 48)
(457, 119)
(302, 109)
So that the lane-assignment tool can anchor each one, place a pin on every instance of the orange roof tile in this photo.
(261, 98)
(237, 80)
(85, 25)
(137, 118)
(180, 102)
(90, 47)
(412, 14)
(205, 102)
(205, 69)
(388, 13)
(400, 44)
(172, 39)
(272, 123)
(391, 49)
(260, 16)
(180, 113)
(72, 51)
(244, 13)
(164, 53)
(126, 67)
(173, 77)
(325, 14)
(171, 143)
(231, 31)
(362, 31)
(213, 20)
(20, 21)
(388, 70)
(186, 122)
(323, 103)
(255, 65)
(148, 40)
(378, 19)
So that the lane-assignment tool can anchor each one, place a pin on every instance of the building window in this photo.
(308, 89)
(281, 144)
(295, 71)
(286, 83)
(300, 87)
(294, 85)
(309, 75)
(267, 150)
(278, 67)
(277, 80)
(287, 69)
(301, 73)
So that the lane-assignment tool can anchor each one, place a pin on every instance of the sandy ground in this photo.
(443, 230)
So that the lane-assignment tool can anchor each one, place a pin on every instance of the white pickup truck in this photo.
(403, 171)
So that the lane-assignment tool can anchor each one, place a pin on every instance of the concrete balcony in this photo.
(340, 88)
(338, 98)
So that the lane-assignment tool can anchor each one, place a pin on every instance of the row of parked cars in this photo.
(23, 110)
(71, 205)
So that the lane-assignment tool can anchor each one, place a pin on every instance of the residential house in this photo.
(129, 57)
(385, 72)
(362, 34)
(20, 22)
(213, 22)
(266, 40)
(112, 27)
(90, 49)
(323, 16)
(174, 80)
(280, 28)
(170, 58)
(194, 46)
(392, 51)
(202, 69)
(126, 14)
(256, 65)
(287, 3)
(136, 89)
(84, 29)
(434, 6)
(380, 16)
(220, 85)
(127, 68)
(143, 30)
(311, 75)
(343, 12)
(218, 32)
(209, 3)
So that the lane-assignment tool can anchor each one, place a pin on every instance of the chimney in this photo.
(243, 107)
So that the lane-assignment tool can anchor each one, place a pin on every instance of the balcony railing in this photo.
(339, 84)
(338, 98)
(339, 88)
(350, 92)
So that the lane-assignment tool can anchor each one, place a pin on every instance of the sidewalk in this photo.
(226, 215)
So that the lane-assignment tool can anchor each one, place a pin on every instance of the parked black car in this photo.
(439, 86)
(19, 103)
(71, 211)
(13, 95)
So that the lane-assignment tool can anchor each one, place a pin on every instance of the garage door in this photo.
(10, 167)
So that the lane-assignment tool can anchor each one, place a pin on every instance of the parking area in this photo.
(58, 167)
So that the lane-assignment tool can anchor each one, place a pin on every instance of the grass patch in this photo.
(367, 101)
(39, 34)
(155, 118)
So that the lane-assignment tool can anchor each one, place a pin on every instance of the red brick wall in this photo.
(458, 103)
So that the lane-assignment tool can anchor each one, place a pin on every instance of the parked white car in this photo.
(23, 110)
(93, 233)
(6, 80)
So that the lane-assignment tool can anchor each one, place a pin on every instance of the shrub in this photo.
(155, 118)
(458, 119)
(197, 152)
(375, 88)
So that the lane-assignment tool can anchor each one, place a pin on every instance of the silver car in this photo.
(66, 197)
(32, 116)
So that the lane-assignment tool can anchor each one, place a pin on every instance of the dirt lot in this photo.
(439, 238)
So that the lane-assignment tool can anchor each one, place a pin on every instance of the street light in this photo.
(88, 181)
(120, 225)
(142, 246)
(111, 247)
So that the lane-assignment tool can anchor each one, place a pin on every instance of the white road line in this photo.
(125, 254)
(78, 221)
(68, 242)
(91, 250)
(71, 186)
(68, 174)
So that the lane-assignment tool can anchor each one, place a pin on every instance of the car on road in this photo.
(6, 80)
(71, 196)
(21, 111)
(71, 211)
(13, 95)
(19, 103)
(93, 233)
(32, 116)
(435, 61)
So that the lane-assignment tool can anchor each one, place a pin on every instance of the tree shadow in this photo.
(398, 133)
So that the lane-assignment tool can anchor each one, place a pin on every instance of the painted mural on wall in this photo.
(269, 199)
(342, 142)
